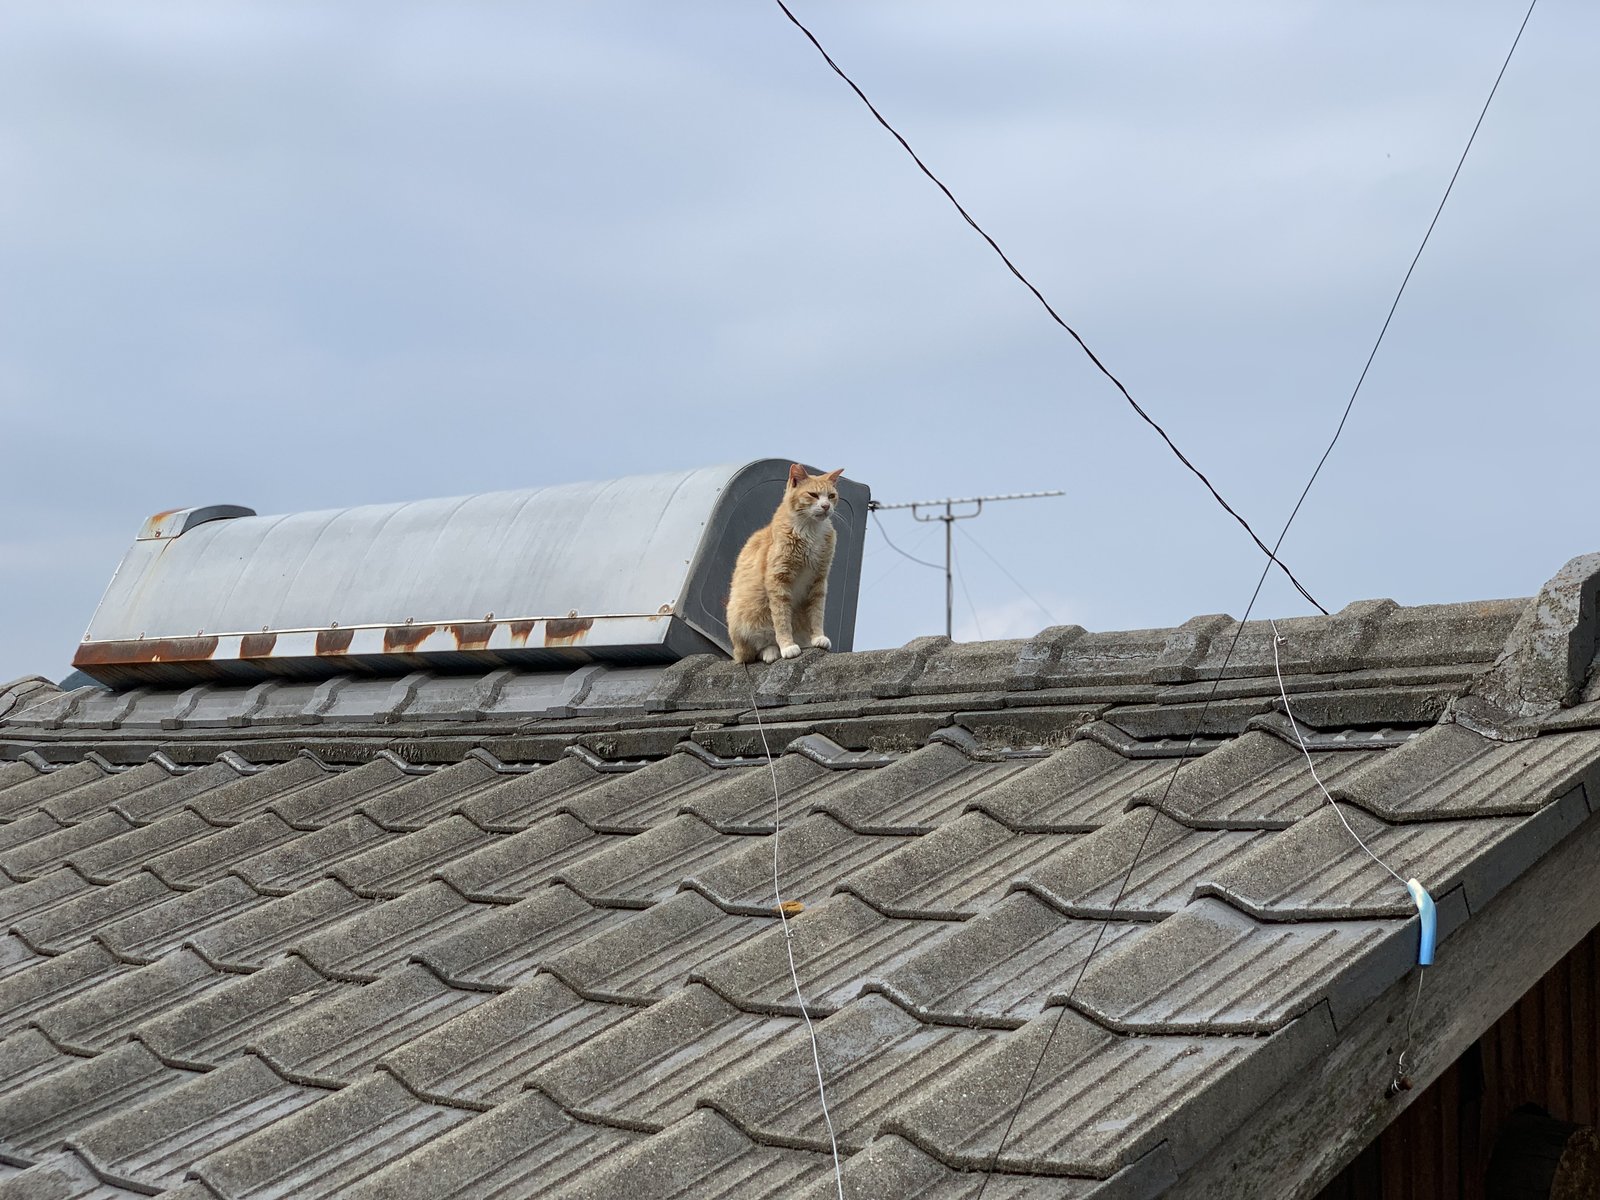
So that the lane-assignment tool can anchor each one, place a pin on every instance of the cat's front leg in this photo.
(811, 618)
(783, 623)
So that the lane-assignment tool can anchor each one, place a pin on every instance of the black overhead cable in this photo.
(919, 561)
(1054, 316)
(1159, 809)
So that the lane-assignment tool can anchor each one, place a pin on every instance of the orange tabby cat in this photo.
(781, 578)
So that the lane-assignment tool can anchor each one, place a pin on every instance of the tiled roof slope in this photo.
(514, 934)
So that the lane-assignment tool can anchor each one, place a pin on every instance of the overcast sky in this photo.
(299, 256)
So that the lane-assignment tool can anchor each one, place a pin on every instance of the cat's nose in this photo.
(824, 506)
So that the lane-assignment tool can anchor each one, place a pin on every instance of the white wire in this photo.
(788, 944)
(1295, 725)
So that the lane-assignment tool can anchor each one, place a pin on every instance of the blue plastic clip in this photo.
(1430, 921)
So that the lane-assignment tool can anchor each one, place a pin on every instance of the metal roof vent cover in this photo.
(629, 571)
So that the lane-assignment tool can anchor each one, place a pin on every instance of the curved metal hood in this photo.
(627, 570)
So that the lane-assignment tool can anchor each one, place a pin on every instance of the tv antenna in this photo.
(950, 516)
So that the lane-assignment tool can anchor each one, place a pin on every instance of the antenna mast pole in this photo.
(950, 516)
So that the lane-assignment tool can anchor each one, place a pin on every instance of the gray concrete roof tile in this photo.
(814, 854)
(263, 930)
(26, 793)
(485, 1055)
(1076, 789)
(702, 1154)
(421, 800)
(524, 1147)
(20, 901)
(637, 871)
(741, 800)
(336, 1040)
(38, 1117)
(1211, 969)
(371, 939)
(210, 858)
(772, 1096)
(644, 957)
(246, 797)
(51, 982)
(508, 867)
(101, 1016)
(651, 1070)
(150, 933)
(1256, 781)
(971, 667)
(48, 851)
(141, 794)
(908, 796)
(28, 829)
(401, 862)
(520, 800)
(1098, 1101)
(314, 801)
(639, 800)
(1449, 771)
(209, 1030)
(891, 1168)
(836, 945)
(16, 955)
(305, 859)
(1314, 870)
(121, 856)
(329, 1146)
(1086, 876)
(27, 1056)
(953, 872)
(506, 945)
(151, 1142)
(62, 1176)
(999, 968)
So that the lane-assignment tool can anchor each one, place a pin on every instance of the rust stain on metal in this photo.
(334, 641)
(258, 645)
(405, 637)
(473, 635)
(148, 650)
(567, 631)
(520, 631)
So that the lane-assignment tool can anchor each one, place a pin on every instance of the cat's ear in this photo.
(797, 475)
(833, 476)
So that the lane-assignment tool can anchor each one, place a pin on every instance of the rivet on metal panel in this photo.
(409, 620)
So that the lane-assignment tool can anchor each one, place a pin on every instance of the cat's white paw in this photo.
(821, 642)
(769, 654)
(791, 651)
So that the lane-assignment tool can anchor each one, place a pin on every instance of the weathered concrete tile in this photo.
(335, 1041)
(511, 867)
(70, 923)
(157, 931)
(303, 860)
(520, 800)
(209, 1030)
(408, 861)
(330, 1146)
(209, 859)
(98, 1018)
(638, 871)
(152, 1142)
(485, 1055)
(814, 855)
(646, 956)
(642, 799)
(250, 936)
(837, 946)
(38, 1117)
(506, 945)
(524, 1147)
(36, 989)
(1076, 789)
